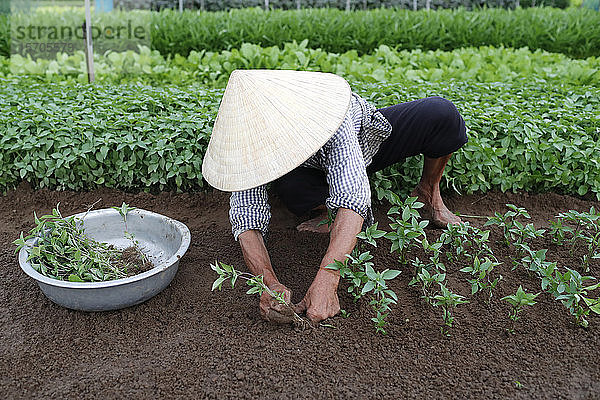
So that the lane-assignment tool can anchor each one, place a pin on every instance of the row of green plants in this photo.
(466, 250)
(525, 136)
(220, 5)
(574, 32)
(483, 64)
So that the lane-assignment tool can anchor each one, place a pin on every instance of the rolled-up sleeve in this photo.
(346, 173)
(249, 209)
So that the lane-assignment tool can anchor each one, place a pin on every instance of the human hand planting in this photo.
(321, 299)
(271, 308)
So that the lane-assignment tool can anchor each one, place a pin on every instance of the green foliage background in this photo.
(533, 115)
(483, 64)
(134, 136)
(220, 5)
(574, 32)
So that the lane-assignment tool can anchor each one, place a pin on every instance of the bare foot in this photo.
(435, 210)
(312, 225)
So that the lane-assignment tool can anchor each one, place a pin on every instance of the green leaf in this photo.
(391, 274)
(217, 283)
(370, 285)
(75, 278)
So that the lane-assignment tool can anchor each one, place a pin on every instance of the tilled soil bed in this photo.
(192, 343)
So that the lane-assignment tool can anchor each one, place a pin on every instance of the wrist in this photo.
(270, 279)
(330, 275)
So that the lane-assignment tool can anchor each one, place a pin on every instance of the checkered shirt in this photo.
(344, 158)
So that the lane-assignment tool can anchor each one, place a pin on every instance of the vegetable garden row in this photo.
(76, 136)
(483, 64)
(574, 32)
(220, 5)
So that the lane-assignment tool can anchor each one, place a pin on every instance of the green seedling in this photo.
(518, 301)
(518, 385)
(569, 289)
(587, 230)
(431, 277)
(507, 221)
(370, 234)
(407, 230)
(123, 211)
(327, 221)
(520, 233)
(457, 238)
(427, 278)
(466, 241)
(448, 301)
(358, 271)
(352, 270)
(257, 286)
(481, 281)
(559, 231)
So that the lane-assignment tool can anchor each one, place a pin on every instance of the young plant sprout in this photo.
(123, 210)
(370, 234)
(358, 271)
(407, 230)
(427, 280)
(567, 287)
(518, 301)
(327, 221)
(257, 286)
(587, 230)
(448, 301)
(507, 221)
(481, 281)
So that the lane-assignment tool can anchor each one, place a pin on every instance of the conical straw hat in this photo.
(270, 122)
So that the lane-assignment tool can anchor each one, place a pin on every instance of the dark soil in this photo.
(189, 342)
(134, 261)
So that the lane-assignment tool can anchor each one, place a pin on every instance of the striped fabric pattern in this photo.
(344, 158)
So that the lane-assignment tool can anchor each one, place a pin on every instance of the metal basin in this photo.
(162, 239)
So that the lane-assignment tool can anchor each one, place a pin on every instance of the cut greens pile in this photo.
(63, 251)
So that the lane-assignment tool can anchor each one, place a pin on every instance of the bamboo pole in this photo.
(89, 49)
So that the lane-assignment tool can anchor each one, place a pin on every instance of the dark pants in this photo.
(431, 126)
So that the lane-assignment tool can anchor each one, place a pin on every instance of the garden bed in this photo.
(189, 341)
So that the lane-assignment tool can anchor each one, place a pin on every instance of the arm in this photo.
(250, 215)
(256, 256)
(350, 198)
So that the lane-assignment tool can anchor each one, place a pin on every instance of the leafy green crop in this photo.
(574, 32)
(134, 136)
(81, 136)
(219, 5)
(483, 64)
